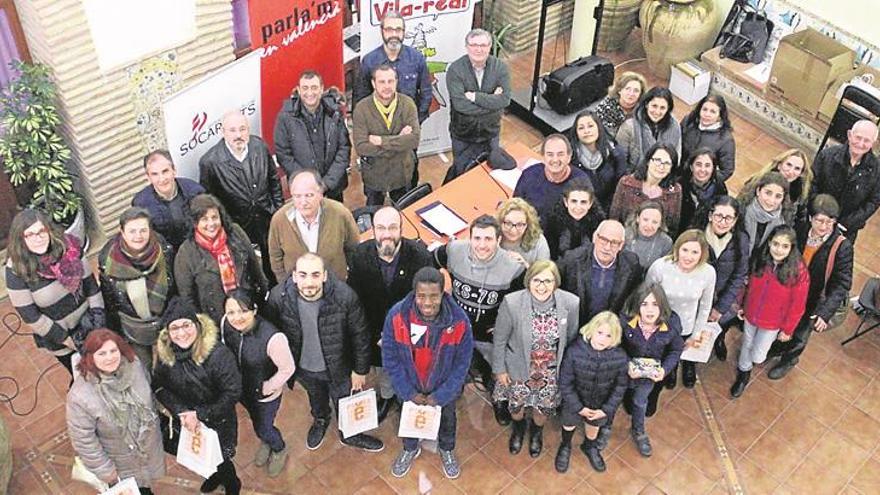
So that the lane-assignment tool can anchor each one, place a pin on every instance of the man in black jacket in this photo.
(310, 133)
(328, 336)
(851, 174)
(381, 273)
(816, 239)
(601, 273)
(240, 172)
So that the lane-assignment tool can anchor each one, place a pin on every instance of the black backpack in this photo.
(749, 44)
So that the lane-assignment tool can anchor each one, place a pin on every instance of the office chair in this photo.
(363, 216)
(414, 195)
(855, 104)
(869, 309)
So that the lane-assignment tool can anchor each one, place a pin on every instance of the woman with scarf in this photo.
(574, 219)
(652, 180)
(111, 420)
(766, 206)
(700, 184)
(596, 154)
(51, 285)
(621, 101)
(794, 165)
(652, 122)
(708, 126)
(137, 281)
(197, 379)
(216, 260)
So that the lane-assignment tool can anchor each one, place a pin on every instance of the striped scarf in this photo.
(148, 264)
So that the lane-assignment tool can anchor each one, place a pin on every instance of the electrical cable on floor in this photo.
(13, 329)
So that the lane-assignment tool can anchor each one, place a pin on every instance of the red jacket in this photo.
(770, 304)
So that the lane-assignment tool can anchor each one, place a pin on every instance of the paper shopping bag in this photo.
(357, 413)
(79, 472)
(419, 421)
(200, 451)
(128, 486)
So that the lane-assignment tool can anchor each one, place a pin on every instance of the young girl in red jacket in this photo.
(774, 301)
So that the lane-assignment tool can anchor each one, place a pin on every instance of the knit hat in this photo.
(178, 309)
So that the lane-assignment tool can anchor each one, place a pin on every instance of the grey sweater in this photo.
(689, 294)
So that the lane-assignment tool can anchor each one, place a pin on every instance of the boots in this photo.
(593, 455)
(517, 432)
(739, 386)
(603, 437)
(671, 379)
(226, 476)
(563, 455)
(781, 369)
(536, 439)
(688, 373)
(721, 348)
(502, 413)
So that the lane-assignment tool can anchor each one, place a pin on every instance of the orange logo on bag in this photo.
(421, 419)
(196, 445)
(359, 411)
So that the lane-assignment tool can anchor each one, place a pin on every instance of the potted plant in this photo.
(34, 153)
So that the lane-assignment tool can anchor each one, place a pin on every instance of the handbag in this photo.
(748, 44)
(839, 315)
(169, 425)
(80, 472)
(357, 413)
(141, 332)
(419, 421)
(200, 451)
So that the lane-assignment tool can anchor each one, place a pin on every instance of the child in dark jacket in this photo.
(774, 302)
(592, 381)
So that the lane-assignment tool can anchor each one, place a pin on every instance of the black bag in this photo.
(576, 85)
(749, 44)
(169, 425)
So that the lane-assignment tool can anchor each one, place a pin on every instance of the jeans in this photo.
(756, 343)
(446, 435)
(640, 390)
(378, 197)
(321, 390)
(263, 418)
(465, 152)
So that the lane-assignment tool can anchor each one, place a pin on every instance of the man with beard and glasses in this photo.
(381, 273)
(240, 172)
(542, 184)
(325, 327)
(310, 133)
(385, 132)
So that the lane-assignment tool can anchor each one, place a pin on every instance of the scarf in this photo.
(387, 112)
(711, 127)
(590, 160)
(67, 269)
(755, 214)
(131, 413)
(718, 244)
(219, 250)
(149, 264)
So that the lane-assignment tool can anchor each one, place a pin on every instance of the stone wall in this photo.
(525, 16)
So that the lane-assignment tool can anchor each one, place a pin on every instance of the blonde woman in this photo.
(794, 165)
(521, 234)
(592, 381)
(622, 99)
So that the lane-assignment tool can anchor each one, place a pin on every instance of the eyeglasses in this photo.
(33, 235)
(546, 282)
(179, 328)
(615, 243)
(511, 225)
(823, 221)
(479, 45)
(718, 217)
(660, 161)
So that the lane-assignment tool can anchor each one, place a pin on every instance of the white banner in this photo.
(437, 29)
(193, 116)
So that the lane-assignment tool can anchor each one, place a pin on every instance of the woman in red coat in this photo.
(774, 302)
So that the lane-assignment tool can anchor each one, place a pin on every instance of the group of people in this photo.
(577, 295)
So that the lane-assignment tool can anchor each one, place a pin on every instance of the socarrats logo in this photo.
(203, 131)
(198, 122)
(411, 9)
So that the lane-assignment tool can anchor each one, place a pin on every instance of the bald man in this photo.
(381, 273)
(850, 172)
(240, 172)
(600, 272)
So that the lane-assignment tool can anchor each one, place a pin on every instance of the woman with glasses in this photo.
(574, 219)
(521, 234)
(197, 380)
(708, 126)
(652, 179)
(700, 184)
(765, 207)
(265, 362)
(52, 285)
(534, 326)
(689, 283)
(216, 260)
(651, 123)
(729, 255)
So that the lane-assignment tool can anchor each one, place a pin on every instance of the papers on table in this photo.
(439, 218)
(510, 177)
(706, 338)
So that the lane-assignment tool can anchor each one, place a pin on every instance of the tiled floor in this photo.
(817, 431)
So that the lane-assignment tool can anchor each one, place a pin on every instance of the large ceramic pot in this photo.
(676, 30)
(619, 17)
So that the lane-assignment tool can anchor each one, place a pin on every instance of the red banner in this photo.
(293, 36)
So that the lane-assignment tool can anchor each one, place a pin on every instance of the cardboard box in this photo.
(869, 80)
(806, 64)
(689, 81)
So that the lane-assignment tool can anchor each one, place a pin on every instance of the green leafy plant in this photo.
(499, 35)
(34, 153)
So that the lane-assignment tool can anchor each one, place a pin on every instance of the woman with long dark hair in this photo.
(52, 285)
(651, 123)
(774, 303)
(700, 184)
(708, 126)
(574, 219)
(216, 260)
(652, 179)
(765, 207)
(794, 165)
(595, 152)
(111, 419)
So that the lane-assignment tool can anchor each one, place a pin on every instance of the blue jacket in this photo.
(731, 270)
(413, 78)
(452, 344)
(174, 233)
(665, 345)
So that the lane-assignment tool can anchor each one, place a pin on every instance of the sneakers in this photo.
(404, 462)
(643, 443)
(276, 462)
(316, 433)
(363, 442)
(450, 464)
(262, 455)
